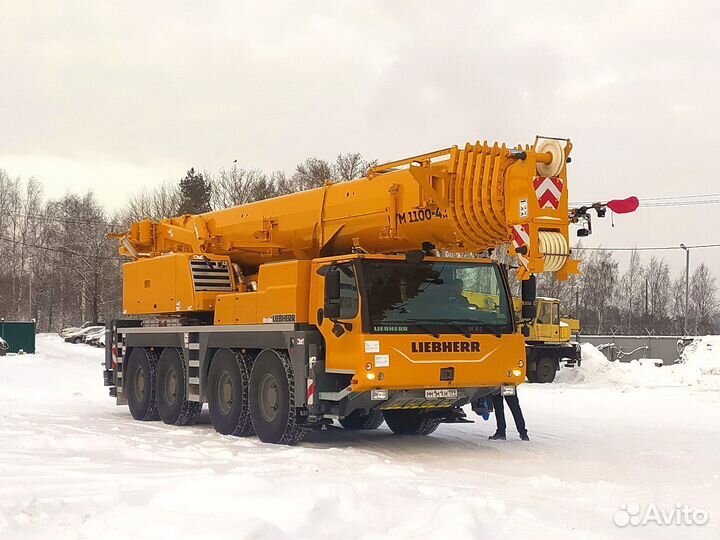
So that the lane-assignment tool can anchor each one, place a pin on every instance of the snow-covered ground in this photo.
(73, 465)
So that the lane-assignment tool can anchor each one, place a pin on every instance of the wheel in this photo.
(140, 384)
(356, 420)
(531, 375)
(228, 393)
(545, 370)
(171, 392)
(410, 422)
(272, 399)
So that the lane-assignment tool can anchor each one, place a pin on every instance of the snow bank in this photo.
(700, 367)
(703, 354)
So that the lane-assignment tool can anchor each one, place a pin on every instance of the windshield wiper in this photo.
(490, 329)
(419, 325)
(459, 328)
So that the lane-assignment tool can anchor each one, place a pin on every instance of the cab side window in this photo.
(544, 315)
(348, 292)
(555, 314)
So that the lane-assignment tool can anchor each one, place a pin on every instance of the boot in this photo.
(497, 436)
(524, 437)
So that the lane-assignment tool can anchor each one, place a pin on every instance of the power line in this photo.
(59, 220)
(658, 248)
(64, 251)
(675, 200)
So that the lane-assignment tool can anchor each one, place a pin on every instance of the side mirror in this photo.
(332, 294)
(332, 285)
(529, 290)
(529, 311)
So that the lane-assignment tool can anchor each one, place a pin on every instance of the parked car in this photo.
(3, 346)
(91, 338)
(72, 329)
(78, 337)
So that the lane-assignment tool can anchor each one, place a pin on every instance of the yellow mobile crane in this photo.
(288, 313)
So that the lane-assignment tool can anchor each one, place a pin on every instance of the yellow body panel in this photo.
(164, 284)
(282, 296)
(402, 361)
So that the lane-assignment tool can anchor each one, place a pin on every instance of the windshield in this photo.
(436, 297)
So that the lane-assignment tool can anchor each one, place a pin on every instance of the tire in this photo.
(355, 420)
(403, 422)
(531, 375)
(140, 384)
(228, 382)
(545, 370)
(272, 399)
(173, 407)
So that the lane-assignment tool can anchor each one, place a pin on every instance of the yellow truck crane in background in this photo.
(334, 303)
(549, 340)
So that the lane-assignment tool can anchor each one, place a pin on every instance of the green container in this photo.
(20, 335)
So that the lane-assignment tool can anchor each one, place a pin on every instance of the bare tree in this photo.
(350, 166)
(598, 285)
(629, 289)
(158, 203)
(311, 173)
(657, 275)
(703, 300)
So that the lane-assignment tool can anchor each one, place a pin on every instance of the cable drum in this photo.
(555, 149)
(555, 249)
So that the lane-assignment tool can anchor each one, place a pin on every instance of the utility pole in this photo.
(687, 285)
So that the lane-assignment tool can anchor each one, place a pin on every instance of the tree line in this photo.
(58, 267)
(644, 299)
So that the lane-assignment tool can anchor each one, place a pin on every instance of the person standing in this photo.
(514, 405)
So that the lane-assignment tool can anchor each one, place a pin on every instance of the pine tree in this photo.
(195, 193)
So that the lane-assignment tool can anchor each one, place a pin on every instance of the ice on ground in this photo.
(695, 370)
(75, 466)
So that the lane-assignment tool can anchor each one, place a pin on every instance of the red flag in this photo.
(624, 206)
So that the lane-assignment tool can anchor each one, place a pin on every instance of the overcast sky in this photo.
(115, 96)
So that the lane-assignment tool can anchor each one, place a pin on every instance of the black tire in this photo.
(408, 422)
(228, 382)
(272, 399)
(531, 375)
(356, 420)
(545, 370)
(173, 407)
(140, 376)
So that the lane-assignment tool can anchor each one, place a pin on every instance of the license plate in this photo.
(507, 390)
(441, 393)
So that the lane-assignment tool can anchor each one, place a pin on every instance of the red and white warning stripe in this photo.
(548, 191)
(310, 391)
(521, 237)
